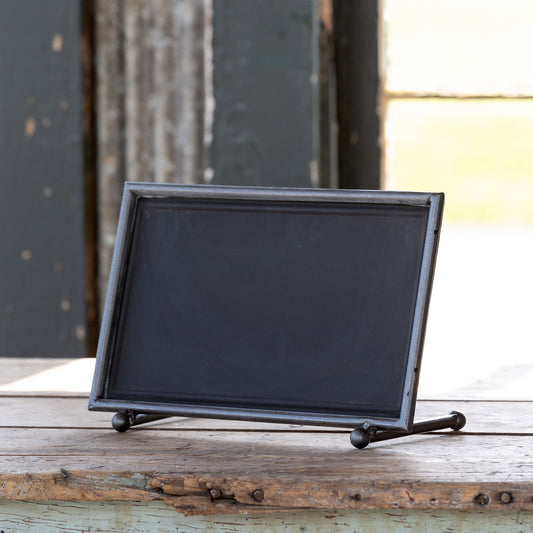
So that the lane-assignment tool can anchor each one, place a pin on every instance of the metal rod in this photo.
(123, 420)
(363, 436)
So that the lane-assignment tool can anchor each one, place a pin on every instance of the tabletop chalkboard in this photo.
(287, 305)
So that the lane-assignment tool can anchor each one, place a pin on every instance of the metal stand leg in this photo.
(362, 437)
(123, 420)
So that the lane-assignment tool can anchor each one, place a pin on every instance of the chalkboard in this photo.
(287, 305)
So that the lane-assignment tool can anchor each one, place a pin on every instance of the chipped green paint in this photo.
(115, 517)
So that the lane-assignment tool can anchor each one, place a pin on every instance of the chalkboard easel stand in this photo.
(360, 437)
(124, 420)
(363, 436)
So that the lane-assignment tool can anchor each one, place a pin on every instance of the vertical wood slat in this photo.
(150, 102)
(42, 212)
(328, 170)
(90, 157)
(358, 85)
(163, 51)
(152, 97)
(110, 142)
(266, 87)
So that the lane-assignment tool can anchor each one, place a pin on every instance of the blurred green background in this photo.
(457, 105)
(479, 152)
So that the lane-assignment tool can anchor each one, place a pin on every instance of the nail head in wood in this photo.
(258, 495)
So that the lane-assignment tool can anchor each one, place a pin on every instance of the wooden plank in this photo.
(496, 418)
(293, 470)
(111, 165)
(358, 86)
(163, 59)
(328, 172)
(21, 376)
(298, 455)
(90, 164)
(266, 73)
(503, 382)
(117, 517)
(16, 368)
(150, 102)
(43, 276)
(71, 412)
(63, 377)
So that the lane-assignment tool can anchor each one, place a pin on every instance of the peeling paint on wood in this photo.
(291, 470)
(272, 77)
(266, 73)
(57, 42)
(117, 517)
(150, 102)
(63, 467)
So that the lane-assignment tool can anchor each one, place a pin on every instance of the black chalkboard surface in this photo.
(287, 305)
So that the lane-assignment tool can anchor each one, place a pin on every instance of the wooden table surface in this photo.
(53, 450)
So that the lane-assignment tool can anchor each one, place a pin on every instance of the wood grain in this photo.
(504, 418)
(53, 449)
(293, 470)
(134, 517)
(150, 102)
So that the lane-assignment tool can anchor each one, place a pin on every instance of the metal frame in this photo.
(135, 409)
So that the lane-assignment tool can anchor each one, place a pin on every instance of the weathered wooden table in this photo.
(63, 468)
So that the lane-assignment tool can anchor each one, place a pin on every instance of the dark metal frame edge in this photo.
(132, 191)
